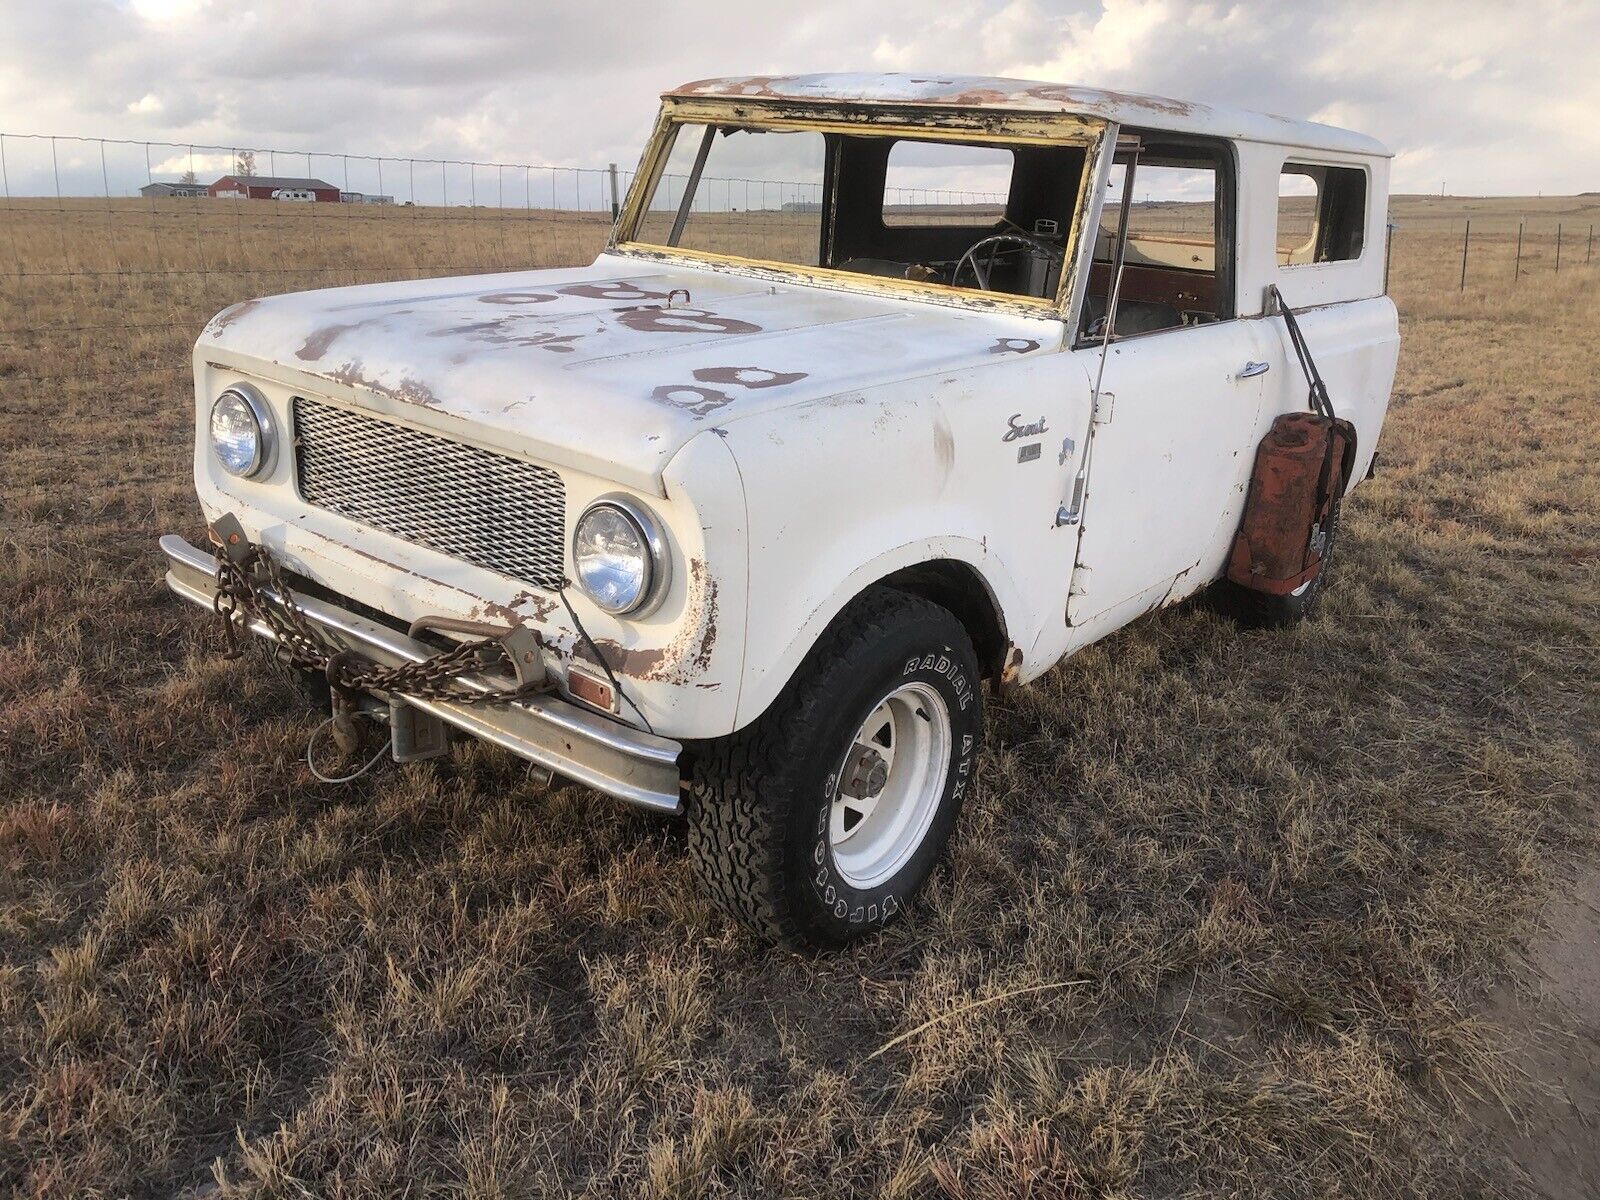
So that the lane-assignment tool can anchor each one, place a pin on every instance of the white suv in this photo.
(887, 391)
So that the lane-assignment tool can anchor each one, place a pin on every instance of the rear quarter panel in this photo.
(1356, 346)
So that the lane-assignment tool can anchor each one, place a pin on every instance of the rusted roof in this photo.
(1026, 95)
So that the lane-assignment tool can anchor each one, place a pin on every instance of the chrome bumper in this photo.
(606, 755)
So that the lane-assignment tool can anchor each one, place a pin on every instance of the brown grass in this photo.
(1284, 866)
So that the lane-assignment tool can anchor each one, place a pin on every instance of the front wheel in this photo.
(820, 821)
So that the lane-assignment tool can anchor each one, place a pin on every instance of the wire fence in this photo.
(103, 235)
(1530, 253)
(113, 253)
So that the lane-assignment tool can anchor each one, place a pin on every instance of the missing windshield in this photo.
(955, 213)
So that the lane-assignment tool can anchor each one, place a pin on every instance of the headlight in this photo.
(241, 431)
(620, 556)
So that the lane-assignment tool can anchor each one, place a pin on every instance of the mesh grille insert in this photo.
(487, 509)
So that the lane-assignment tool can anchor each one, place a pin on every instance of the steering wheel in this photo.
(994, 241)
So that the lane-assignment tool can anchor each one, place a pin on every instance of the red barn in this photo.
(273, 187)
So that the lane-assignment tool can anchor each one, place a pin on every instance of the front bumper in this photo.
(629, 764)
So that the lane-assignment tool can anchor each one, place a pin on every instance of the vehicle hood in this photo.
(610, 368)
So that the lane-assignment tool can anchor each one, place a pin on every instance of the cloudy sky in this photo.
(1483, 97)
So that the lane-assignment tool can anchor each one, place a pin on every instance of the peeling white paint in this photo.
(589, 360)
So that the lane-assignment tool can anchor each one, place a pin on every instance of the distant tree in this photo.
(244, 162)
(188, 177)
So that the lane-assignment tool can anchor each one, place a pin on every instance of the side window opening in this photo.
(944, 183)
(1176, 256)
(966, 214)
(1322, 214)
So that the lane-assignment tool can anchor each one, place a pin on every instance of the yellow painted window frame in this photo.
(963, 124)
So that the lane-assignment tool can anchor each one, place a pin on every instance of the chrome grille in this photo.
(488, 509)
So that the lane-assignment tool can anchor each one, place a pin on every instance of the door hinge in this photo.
(1104, 403)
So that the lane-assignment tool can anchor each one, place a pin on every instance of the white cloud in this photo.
(166, 10)
(1119, 37)
(1461, 89)
(199, 163)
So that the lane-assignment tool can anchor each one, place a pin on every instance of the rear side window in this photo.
(1322, 213)
(942, 183)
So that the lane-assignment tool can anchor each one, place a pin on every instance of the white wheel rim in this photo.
(874, 835)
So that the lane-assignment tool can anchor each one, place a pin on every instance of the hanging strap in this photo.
(1331, 480)
(1319, 401)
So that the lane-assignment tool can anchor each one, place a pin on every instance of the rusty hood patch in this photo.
(610, 366)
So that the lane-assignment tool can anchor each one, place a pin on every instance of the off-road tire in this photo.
(1261, 610)
(758, 801)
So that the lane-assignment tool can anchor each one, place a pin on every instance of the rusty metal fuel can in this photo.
(1300, 471)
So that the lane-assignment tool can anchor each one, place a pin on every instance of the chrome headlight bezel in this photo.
(657, 559)
(266, 449)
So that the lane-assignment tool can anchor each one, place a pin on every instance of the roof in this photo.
(1026, 95)
(276, 181)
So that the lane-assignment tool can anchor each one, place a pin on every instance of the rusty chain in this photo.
(241, 596)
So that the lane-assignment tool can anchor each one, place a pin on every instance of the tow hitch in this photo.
(251, 588)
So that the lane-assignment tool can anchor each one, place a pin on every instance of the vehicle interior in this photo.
(1013, 243)
(988, 217)
(1171, 199)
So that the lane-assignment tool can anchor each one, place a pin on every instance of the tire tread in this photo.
(740, 787)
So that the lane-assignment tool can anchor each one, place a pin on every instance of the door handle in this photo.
(1252, 369)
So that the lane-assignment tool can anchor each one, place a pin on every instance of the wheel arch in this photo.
(958, 587)
(955, 573)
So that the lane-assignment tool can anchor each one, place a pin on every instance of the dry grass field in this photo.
(1295, 914)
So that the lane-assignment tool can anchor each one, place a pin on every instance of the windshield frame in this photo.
(922, 122)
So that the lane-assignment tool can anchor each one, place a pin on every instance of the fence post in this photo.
(1388, 255)
(1518, 273)
(1589, 253)
(1466, 240)
(616, 204)
(1558, 247)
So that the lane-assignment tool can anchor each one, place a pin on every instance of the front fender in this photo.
(766, 671)
(845, 491)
